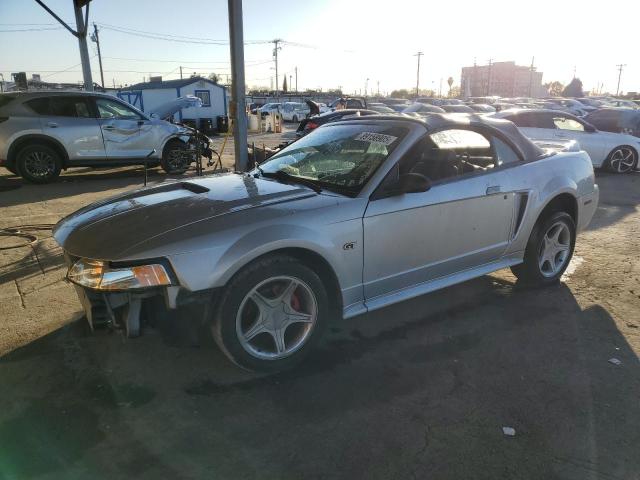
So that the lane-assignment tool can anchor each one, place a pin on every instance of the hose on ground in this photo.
(28, 234)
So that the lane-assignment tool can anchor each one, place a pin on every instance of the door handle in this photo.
(108, 127)
(52, 125)
(493, 189)
(561, 135)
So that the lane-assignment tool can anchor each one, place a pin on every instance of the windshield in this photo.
(341, 158)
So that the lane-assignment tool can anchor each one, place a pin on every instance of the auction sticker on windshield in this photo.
(380, 138)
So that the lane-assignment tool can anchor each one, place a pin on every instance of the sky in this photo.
(352, 44)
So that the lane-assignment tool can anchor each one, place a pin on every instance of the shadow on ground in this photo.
(418, 390)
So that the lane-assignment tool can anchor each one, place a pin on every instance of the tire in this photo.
(622, 159)
(295, 119)
(38, 163)
(544, 266)
(174, 158)
(291, 298)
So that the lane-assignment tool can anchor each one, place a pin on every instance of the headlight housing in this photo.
(100, 276)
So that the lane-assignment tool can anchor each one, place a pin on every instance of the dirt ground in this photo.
(417, 390)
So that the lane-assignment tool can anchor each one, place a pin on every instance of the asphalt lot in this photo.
(417, 390)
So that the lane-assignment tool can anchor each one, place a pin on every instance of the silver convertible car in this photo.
(355, 216)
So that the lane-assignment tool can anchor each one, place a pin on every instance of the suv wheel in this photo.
(548, 251)
(271, 314)
(38, 163)
(175, 157)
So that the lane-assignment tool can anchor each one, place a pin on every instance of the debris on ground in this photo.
(631, 325)
(615, 361)
(509, 431)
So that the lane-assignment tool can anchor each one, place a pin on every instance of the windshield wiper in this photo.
(287, 177)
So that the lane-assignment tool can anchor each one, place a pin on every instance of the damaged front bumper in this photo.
(127, 310)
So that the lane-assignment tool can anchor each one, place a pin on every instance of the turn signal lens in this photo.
(98, 275)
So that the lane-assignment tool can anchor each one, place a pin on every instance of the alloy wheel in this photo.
(276, 318)
(622, 160)
(554, 249)
(39, 164)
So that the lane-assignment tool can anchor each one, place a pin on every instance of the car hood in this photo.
(109, 229)
(169, 108)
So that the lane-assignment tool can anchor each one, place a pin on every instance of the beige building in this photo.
(505, 79)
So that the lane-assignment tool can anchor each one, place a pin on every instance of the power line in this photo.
(30, 30)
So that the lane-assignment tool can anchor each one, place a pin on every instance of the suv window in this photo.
(112, 109)
(74, 107)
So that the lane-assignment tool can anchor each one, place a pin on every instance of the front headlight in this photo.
(98, 275)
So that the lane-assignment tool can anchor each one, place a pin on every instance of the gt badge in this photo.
(349, 246)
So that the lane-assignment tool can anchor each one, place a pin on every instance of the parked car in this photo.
(617, 120)
(422, 109)
(349, 103)
(42, 133)
(618, 102)
(482, 108)
(568, 105)
(309, 124)
(268, 108)
(380, 108)
(593, 102)
(457, 108)
(294, 111)
(356, 216)
(614, 151)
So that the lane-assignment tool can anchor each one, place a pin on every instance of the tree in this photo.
(574, 89)
(402, 93)
(554, 88)
(284, 84)
(214, 77)
(454, 92)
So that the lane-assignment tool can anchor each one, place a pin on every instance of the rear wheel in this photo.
(548, 251)
(38, 163)
(175, 157)
(623, 159)
(271, 314)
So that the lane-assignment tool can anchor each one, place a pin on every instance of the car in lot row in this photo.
(617, 120)
(42, 133)
(614, 151)
(357, 215)
(294, 111)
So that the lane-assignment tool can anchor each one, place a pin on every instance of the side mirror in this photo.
(407, 183)
(412, 183)
(589, 128)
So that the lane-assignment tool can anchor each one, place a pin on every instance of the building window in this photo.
(205, 96)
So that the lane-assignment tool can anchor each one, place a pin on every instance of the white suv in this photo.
(42, 133)
(294, 111)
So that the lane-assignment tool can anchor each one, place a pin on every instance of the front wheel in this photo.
(622, 159)
(271, 314)
(175, 157)
(38, 163)
(548, 251)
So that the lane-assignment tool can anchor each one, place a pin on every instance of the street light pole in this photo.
(419, 54)
(620, 67)
(237, 109)
(275, 56)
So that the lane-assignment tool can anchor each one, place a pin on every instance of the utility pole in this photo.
(296, 79)
(96, 39)
(620, 67)
(378, 90)
(290, 82)
(489, 77)
(440, 89)
(180, 72)
(237, 109)
(366, 86)
(419, 54)
(275, 56)
(80, 33)
(531, 76)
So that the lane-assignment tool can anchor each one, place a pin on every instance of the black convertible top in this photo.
(437, 121)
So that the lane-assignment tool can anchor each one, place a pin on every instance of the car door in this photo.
(463, 221)
(126, 133)
(69, 119)
(571, 128)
